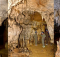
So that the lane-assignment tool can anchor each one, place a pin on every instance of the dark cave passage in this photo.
(3, 33)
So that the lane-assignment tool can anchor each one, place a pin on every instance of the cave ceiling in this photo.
(46, 5)
(43, 7)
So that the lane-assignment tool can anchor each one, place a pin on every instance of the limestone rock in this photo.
(13, 32)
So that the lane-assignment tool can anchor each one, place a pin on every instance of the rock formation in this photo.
(57, 11)
(3, 10)
(14, 31)
(57, 54)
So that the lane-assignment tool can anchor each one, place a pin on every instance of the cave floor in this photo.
(39, 51)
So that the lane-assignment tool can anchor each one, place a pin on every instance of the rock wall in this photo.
(14, 31)
(57, 11)
(3, 10)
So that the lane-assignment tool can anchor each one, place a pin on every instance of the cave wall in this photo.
(42, 7)
(57, 11)
(14, 31)
(3, 10)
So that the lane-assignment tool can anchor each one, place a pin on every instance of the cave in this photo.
(24, 18)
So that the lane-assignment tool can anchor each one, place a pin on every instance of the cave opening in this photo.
(22, 24)
(3, 33)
